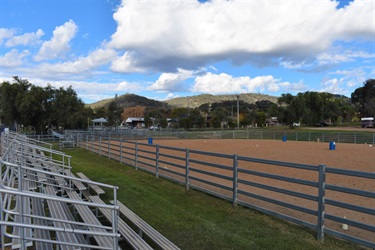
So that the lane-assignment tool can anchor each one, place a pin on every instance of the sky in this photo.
(162, 49)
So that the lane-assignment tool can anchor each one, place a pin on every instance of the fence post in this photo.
(187, 157)
(109, 147)
(136, 155)
(121, 150)
(321, 202)
(157, 161)
(100, 145)
(92, 143)
(235, 179)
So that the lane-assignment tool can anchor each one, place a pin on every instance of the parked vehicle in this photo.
(296, 124)
(367, 122)
(154, 128)
(321, 124)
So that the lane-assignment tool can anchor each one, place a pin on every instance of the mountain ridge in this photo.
(132, 100)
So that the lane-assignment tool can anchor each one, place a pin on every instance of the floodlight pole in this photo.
(238, 112)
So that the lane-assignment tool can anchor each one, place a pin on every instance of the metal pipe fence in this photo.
(327, 205)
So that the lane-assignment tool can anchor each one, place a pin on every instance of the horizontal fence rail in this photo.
(330, 206)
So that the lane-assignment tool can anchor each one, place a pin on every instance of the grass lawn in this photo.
(194, 220)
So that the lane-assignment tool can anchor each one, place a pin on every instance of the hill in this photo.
(196, 101)
(129, 100)
(132, 100)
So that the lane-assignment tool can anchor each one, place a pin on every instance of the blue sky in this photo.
(162, 49)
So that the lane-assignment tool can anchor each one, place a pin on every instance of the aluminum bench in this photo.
(131, 237)
(23, 206)
(79, 185)
(145, 228)
(38, 210)
(94, 187)
(57, 211)
(93, 223)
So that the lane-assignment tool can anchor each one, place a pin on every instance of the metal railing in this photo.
(26, 173)
(330, 207)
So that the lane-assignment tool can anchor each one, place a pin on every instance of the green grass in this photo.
(194, 220)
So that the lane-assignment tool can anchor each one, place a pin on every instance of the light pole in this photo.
(238, 111)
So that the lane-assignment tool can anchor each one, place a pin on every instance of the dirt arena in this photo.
(359, 157)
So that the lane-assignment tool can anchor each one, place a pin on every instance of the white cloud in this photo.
(6, 33)
(25, 39)
(226, 84)
(126, 63)
(352, 78)
(186, 34)
(171, 81)
(333, 86)
(90, 90)
(59, 43)
(13, 58)
(82, 65)
(345, 56)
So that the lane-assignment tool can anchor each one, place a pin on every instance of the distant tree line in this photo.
(34, 108)
(309, 108)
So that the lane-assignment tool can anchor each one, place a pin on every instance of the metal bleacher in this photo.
(39, 205)
(45, 206)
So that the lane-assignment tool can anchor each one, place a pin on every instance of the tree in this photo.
(155, 117)
(219, 117)
(22, 103)
(65, 106)
(35, 108)
(196, 119)
(114, 114)
(363, 98)
(12, 95)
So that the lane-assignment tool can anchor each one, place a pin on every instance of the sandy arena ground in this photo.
(359, 157)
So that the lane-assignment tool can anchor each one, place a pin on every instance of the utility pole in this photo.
(238, 111)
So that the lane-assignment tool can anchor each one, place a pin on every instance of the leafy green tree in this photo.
(35, 108)
(100, 112)
(218, 117)
(261, 119)
(65, 106)
(196, 119)
(12, 96)
(363, 98)
(156, 117)
(114, 114)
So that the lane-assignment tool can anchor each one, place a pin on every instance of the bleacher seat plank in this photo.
(125, 230)
(89, 218)
(145, 228)
(57, 211)
(38, 209)
(80, 237)
(79, 185)
(26, 209)
(94, 187)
